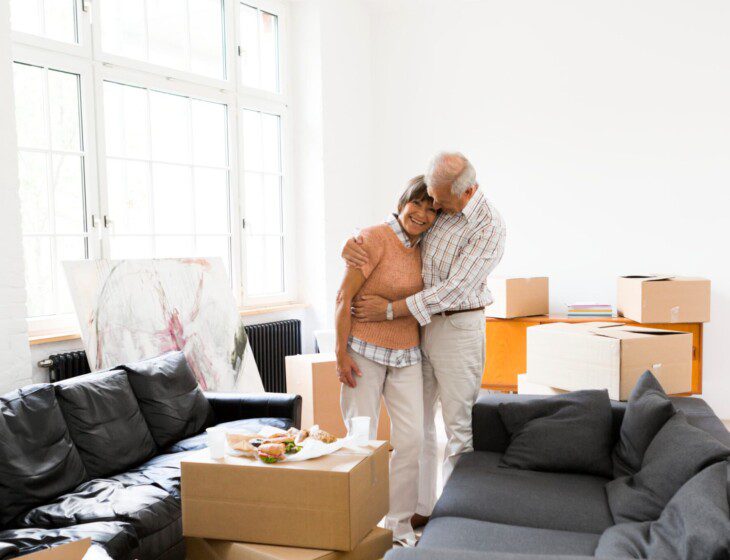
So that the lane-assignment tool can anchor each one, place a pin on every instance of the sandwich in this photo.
(242, 443)
(321, 435)
(299, 435)
(272, 452)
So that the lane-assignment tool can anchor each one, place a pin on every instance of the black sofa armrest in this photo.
(489, 431)
(8, 550)
(240, 406)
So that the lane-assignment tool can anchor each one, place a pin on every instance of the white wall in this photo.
(14, 351)
(601, 130)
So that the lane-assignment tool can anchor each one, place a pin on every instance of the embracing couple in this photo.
(410, 327)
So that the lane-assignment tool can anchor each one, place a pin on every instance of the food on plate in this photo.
(299, 435)
(272, 452)
(242, 443)
(258, 440)
(321, 435)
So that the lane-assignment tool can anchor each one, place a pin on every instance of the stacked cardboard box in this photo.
(518, 297)
(331, 504)
(664, 299)
(608, 356)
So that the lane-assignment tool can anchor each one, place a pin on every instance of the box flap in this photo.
(622, 332)
(69, 551)
(648, 278)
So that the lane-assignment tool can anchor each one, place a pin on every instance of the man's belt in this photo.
(455, 311)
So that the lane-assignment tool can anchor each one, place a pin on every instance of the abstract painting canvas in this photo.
(130, 310)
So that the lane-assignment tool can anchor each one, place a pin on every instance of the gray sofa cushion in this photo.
(443, 554)
(647, 411)
(676, 454)
(563, 433)
(105, 422)
(479, 489)
(695, 525)
(454, 533)
(169, 397)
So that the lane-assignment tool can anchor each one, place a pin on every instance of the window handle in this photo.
(93, 221)
(107, 221)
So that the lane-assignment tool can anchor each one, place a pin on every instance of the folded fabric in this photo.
(676, 454)
(562, 433)
(647, 411)
(695, 525)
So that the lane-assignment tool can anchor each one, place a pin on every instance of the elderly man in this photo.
(458, 252)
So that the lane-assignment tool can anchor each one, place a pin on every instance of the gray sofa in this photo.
(492, 512)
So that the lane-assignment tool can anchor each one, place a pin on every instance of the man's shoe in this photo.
(419, 520)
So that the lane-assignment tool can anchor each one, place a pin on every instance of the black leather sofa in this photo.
(99, 456)
(495, 513)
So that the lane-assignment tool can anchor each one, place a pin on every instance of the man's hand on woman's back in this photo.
(353, 252)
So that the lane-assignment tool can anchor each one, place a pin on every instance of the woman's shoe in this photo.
(419, 520)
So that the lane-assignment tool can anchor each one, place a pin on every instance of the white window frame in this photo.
(94, 67)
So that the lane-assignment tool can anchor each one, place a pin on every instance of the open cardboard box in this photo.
(75, 550)
(518, 297)
(664, 299)
(372, 547)
(329, 503)
(601, 355)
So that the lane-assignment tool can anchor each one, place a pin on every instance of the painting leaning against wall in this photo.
(129, 310)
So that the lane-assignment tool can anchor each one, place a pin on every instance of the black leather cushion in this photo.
(38, 460)
(169, 396)
(647, 411)
(676, 454)
(479, 489)
(105, 422)
(145, 507)
(563, 433)
(695, 525)
(250, 424)
(454, 533)
(118, 539)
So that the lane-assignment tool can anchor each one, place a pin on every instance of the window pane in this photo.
(272, 204)
(271, 142)
(264, 261)
(174, 246)
(68, 193)
(130, 196)
(269, 52)
(131, 247)
(249, 46)
(34, 201)
(253, 185)
(64, 102)
(55, 19)
(123, 28)
(39, 275)
(181, 35)
(206, 38)
(167, 28)
(252, 153)
(211, 200)
(67, 249)
(30, 105)
(172, 198)
(170, 124)
(126, 121)
(209, 133)
(60, 19)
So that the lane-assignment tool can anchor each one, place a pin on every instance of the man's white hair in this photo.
(451, 167)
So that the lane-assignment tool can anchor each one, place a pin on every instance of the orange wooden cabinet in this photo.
(507, 347)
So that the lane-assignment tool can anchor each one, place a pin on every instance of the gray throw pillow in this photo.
(647, 411)
(676, 454)
(563, 433)
(695, 525)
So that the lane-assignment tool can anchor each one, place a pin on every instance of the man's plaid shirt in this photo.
(379, 354)
(458, 253)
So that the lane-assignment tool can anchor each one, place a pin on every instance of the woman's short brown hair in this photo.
(416, 191)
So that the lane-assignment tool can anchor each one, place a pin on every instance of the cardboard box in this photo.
(518, 297)
(664, 299)
(373, 546)
(75, 550)
(330, 503)
(601, 355)
(526, 386)
(314, 377)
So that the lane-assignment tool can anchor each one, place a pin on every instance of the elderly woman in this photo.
(383, 359)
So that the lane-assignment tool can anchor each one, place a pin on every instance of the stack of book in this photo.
(589, 310)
